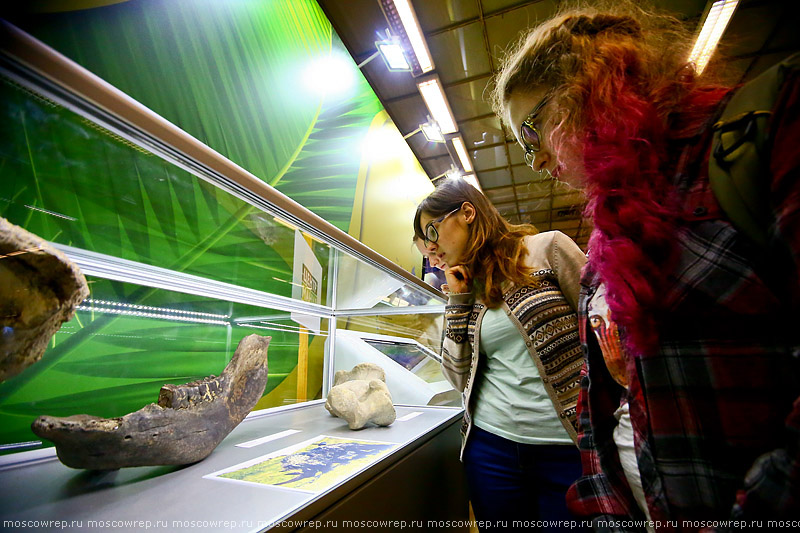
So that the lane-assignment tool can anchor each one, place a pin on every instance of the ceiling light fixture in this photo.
(716, 20)
(461, 151)
(404, 23)
(435, 100)
(391, 50)
(393, 55)
(430, 130)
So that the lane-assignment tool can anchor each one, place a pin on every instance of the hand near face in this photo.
(458, 279)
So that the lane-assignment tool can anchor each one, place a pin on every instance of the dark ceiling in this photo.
(466, 38)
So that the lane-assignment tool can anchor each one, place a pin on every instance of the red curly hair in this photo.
(623, 93)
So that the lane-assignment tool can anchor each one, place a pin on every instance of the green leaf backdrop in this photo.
(246, 77)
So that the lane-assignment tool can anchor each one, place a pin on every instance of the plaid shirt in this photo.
(715, 409)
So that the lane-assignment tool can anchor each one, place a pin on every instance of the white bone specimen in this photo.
(360, 396)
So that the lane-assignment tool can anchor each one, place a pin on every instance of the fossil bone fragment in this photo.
(366, 371)
(185, 426)
(39, 290)
(360, 396)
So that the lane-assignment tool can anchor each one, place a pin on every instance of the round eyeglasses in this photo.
(431, 233)
(529, 135)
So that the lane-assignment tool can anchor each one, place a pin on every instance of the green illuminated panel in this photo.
(113, 357)
(266, 83)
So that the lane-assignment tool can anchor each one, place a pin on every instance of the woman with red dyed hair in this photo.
(689, 408)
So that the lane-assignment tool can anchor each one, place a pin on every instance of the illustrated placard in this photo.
(313, 466)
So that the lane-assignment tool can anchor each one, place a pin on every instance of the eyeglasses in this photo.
(529, 134)
(431, 233)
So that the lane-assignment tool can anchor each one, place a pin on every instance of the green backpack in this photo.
(738, 168)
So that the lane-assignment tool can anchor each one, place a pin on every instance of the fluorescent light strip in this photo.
(149, 308)
(461, 150)
(414, 33)
(713, 27)
(151, 315)
(59, 215)
(434, 98)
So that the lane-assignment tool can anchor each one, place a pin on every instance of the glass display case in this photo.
(185, 253)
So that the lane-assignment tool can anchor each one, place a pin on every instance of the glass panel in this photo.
(540, 204)
(435, 15)
(74, 183)
(425, 328)
(500, 195)
(363, 286)
(455, 60)
(507, 27)
(540, 217)
(467, 99)
(495, 178)
(534, 189)
(126, 341)
(406, 347)
(486, 130)
(567, 226)
(518, 158)
(485, 158)
(568, 197)
(523, 174)
(490, 6)
(561, 188)
(508, 210)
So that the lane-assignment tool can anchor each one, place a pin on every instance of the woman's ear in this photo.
(469, 212)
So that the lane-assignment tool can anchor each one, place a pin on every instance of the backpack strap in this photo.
(738, 169)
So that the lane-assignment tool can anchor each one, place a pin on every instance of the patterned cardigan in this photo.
(544, 313)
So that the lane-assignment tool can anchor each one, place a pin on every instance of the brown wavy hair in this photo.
(495, 251)
(623, 94)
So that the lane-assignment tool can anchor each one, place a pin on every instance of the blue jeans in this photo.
(524, 483)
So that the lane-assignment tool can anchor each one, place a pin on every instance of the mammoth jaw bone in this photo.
(184, 427)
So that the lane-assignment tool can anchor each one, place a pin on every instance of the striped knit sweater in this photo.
(544, 313)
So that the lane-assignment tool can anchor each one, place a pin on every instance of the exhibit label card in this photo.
(306, 280)
(314, 465)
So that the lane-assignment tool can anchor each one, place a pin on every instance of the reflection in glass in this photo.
(72, 182)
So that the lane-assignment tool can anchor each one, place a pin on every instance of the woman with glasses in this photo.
(512, 348)
(692, 361)
(435, 276)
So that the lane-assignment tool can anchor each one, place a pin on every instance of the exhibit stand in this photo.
(293, 470)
